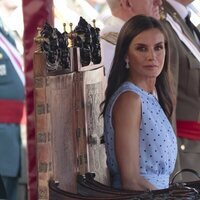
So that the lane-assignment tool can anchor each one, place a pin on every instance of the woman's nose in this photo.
(150, 55)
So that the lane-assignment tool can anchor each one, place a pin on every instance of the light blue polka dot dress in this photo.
(158, 145)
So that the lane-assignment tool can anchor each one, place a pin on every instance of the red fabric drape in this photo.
(35, 13)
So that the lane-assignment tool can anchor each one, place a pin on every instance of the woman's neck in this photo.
(147, 85)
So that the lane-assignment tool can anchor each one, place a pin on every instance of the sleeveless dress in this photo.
(158, 145)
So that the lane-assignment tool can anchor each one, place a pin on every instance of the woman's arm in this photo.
(126, 122)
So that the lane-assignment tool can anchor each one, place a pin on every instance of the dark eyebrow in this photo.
(141, 44)
(159, 43)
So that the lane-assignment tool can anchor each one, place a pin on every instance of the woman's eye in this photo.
(142, 49)
(159, 47)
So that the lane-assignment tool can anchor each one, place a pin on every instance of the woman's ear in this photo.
(126, 59)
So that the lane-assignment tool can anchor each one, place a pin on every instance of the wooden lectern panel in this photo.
(68, 127)
(89, 95)
(93, 89)
(60, 101)
(43, 150)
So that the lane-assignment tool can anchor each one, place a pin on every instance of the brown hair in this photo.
(119, 73)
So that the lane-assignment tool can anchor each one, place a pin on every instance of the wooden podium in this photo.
(67, 124)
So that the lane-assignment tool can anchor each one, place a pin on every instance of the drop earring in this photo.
(127, 65)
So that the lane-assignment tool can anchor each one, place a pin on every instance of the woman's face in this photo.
(146, 54)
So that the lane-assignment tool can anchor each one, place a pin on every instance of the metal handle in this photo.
(185, 170)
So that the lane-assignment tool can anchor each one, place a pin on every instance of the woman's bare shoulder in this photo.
(127, 100)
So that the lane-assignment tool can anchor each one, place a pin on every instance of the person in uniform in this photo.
(185, 63)
(12, 97)
(180, 10)
(2, 190)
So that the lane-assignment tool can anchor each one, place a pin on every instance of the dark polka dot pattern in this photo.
(158, 145)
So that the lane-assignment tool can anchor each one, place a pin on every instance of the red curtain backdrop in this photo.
(35, 13)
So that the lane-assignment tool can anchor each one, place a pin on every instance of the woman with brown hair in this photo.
(140, 142)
